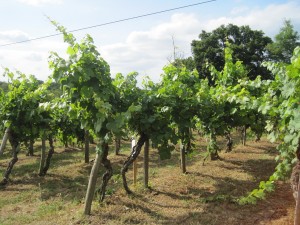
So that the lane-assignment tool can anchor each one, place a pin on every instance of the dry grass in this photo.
(203, 196)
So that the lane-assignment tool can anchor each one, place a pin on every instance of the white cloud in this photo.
(12, 36)
(268, 19)
(34, 56)
(40, 2)
(148, 51)
(31, 58)
(239, 10)
(26, 62)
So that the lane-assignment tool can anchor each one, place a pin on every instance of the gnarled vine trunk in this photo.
(229, 143)
(185, 147)
(214, 156)
(296, 186)
(15, 150)
(244, 134)
(257, 137)
(48, 159)
(296, 192)
(134, 154)
(108, 173)
(117, 145)
(213, 147)
(30, 147)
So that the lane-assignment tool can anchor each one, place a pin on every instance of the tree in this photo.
(3, 86)
(281, 50)
(249, 46)
(188, 63)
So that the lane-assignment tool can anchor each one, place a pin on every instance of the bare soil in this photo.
(205, 195)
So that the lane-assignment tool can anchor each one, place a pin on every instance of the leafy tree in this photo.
(189, 63)
(55, 90)
(248, 45)
(3, 86)
(281, 50)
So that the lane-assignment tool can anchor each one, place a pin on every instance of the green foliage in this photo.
(3, 86)
(20, 106)
(188, 63)
(68, 127)
(248, 45)
(281, 104)
(285, 42)
(217, 198)
(227, 104)
(177, 92)
(260, 193)
(126, 96)
(152, 118)
(84, 78)
(212, 147)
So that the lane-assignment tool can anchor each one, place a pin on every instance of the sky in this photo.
(144, 45)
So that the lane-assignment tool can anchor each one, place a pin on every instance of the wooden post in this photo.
(43, 156)
(134, 163)
(244, 135)
(4, 140)
(86, 146)
(92, 185)
(297, 208)
(146, 164)
(182, 158)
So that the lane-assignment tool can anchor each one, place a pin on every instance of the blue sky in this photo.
(143, 45)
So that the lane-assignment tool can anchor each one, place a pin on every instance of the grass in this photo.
(205, 195)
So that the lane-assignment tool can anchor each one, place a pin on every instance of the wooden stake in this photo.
(4, 140)
(146, 164)
(182, 158)
(297, 208)
(134, 164)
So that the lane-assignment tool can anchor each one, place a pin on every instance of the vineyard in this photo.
(207, 149)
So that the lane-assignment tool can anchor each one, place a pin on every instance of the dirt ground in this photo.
(205, 195)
